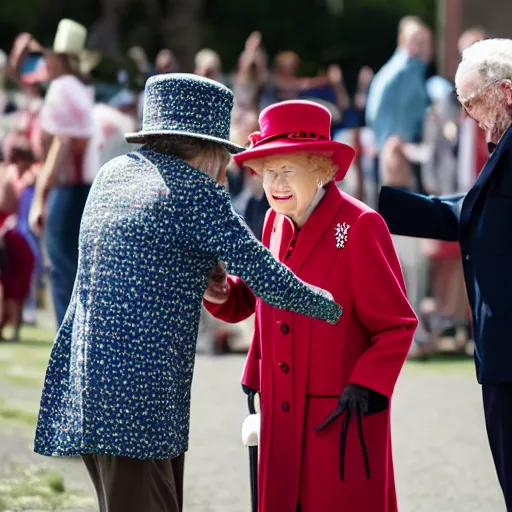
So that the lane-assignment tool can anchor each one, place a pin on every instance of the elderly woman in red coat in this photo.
(325, 442)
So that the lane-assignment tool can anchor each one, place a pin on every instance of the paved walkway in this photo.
(442, 459)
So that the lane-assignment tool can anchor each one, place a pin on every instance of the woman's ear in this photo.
(323, 174)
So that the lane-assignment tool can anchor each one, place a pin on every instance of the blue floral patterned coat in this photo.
(120, 371)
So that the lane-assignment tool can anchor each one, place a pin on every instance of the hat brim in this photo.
(342, 154)
(140, 137)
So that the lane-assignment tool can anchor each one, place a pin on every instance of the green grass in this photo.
(17, 414)
(24, 362)
(39, 489)
(443, 363)
(38, 336)
(22, 369)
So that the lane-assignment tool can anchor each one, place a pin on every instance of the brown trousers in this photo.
(133, 485)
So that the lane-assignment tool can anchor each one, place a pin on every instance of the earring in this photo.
(319, 183)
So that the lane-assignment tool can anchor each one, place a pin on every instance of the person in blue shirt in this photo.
(403, 101)
(392, 107)
(382, 77)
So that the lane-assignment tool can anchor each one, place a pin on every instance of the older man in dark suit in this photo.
(481, 222)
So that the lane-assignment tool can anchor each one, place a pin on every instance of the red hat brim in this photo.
(341, 154)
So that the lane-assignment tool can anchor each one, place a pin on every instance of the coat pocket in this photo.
(321, 485)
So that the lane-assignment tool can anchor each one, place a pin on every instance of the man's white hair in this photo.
(490, 59)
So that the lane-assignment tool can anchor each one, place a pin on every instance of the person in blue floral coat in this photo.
(156, 222)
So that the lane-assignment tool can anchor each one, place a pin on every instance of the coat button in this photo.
(285, 329)
(285, 406)
(285, 368)
(468, 257)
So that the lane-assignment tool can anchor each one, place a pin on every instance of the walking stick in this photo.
(250, 438)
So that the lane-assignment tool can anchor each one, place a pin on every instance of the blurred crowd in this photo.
(403, 120)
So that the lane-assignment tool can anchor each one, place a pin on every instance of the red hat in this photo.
(296, 125)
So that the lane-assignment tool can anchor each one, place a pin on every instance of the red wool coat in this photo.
(301, 365)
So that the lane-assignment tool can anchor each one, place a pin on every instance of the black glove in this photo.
(365, 402)
(247, 390)
(251, 394)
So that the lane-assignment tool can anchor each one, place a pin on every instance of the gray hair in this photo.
(490, 60)
(205, 154)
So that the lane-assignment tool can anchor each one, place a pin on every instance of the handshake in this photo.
(217, 291)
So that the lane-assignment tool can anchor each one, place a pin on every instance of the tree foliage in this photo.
(363, 33)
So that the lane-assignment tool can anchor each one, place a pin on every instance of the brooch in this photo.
(341, 234)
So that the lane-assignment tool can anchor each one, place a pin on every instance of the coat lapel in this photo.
(316, 227)
(471, 199)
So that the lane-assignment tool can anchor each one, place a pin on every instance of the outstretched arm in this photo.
(420, 216)
(218, 231)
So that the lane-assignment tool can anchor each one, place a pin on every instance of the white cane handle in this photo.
(251, 430)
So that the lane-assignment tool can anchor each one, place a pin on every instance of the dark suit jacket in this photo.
(482, 223)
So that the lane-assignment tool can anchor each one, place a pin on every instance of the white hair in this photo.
(490, 59)
(207, 58)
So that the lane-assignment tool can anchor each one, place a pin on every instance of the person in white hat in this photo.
(63, 184)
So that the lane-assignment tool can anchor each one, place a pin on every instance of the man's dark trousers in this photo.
(498, 420)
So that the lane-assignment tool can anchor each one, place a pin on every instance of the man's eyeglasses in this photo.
(468, 104)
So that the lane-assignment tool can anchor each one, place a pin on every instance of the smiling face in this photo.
(291, 182)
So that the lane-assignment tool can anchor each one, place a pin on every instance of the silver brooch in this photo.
(341, 234)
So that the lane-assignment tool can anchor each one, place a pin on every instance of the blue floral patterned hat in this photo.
(188, 105)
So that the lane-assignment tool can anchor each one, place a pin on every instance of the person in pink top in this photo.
(19, 257)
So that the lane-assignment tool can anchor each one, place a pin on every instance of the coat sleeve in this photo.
(420, 216)
(241, 301)
(240, 305)
(380, 304)
(220, 233)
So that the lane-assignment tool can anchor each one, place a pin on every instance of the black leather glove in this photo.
(251, 395)
(364, 402)
(247, 390)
